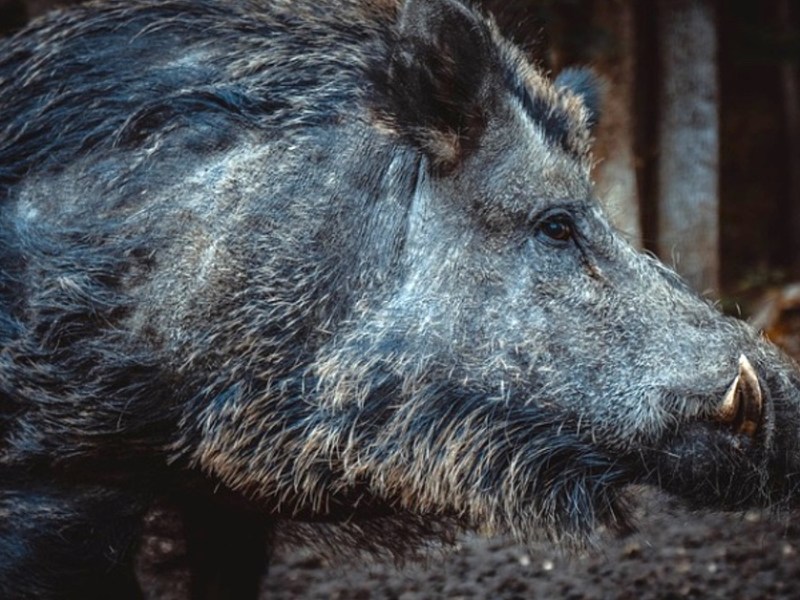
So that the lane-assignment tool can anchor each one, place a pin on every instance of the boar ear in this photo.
(584, 84)
(435, 85)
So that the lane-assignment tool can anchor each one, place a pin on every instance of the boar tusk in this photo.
(741, 407)
(730, 405)
(751, 394)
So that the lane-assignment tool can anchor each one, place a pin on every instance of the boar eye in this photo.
(556, 228)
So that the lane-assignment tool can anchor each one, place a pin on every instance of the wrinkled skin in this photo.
(340, 271)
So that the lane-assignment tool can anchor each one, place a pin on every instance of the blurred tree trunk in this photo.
(790, 83)
(688, 165)
(616, 171)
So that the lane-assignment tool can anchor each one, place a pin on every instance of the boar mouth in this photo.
(726, 460)
(742, 406)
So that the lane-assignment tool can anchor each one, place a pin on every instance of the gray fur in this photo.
(230, 249)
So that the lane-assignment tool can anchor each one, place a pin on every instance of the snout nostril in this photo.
(742, 406)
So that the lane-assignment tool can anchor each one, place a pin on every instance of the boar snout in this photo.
(745, 452)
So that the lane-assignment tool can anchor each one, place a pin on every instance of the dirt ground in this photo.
(675, 554)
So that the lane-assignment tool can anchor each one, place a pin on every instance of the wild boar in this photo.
(338, 263)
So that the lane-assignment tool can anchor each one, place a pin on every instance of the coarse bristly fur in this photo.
(340, 264)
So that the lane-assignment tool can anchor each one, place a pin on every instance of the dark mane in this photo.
(89, 92)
